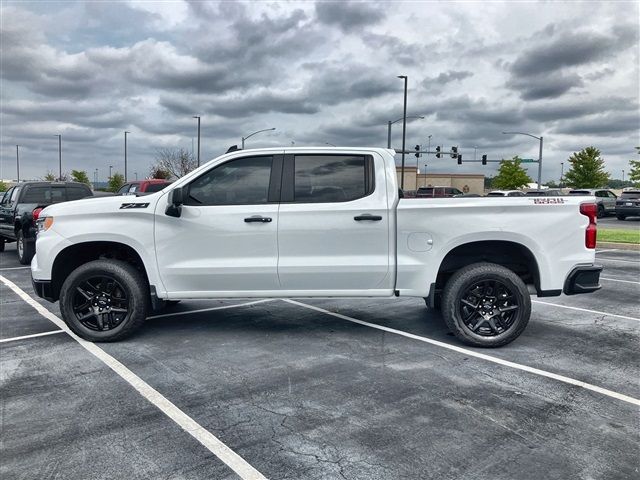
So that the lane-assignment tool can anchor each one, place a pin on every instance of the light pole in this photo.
(59, 156)
(125, 155)
(475, 151)
(110, 167)
(425, 163)
(539, 154)
(198, 117)
(404, 129)
(95, 178)
(561, 173)
(17, 164)
(255, 133)
(389, 123)
(136, 174)
(623, 177)
(327, 143)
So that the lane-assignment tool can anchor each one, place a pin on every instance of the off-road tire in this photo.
(132, 281)
(465, 278)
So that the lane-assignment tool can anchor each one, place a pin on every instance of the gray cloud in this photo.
(348, 16)
(571, 49)
(535, 87)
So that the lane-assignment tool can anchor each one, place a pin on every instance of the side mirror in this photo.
(176, 199)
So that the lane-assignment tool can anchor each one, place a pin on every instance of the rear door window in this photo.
(332, 178)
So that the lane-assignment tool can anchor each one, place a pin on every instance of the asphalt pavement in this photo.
(631, 223)
(324, 389)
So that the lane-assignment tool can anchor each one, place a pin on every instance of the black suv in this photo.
(628, 204)
(20, 206)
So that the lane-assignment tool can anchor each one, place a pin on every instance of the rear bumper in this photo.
(629, 211)
(43, 289)
(584, 279)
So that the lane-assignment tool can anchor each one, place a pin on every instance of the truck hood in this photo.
(99, 205)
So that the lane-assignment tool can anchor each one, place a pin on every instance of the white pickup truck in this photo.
(312, 222)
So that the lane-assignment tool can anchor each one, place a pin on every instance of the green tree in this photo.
(115, 182)
(587, 169)
(510, 175)
(3, 186)
(80, 176)
(50, 177)
(634, 171)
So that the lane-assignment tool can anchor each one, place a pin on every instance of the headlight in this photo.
(43, 224)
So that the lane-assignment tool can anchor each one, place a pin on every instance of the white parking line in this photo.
(610, 250)
(13, 268)
(618, 280)
(586, 310)
(13, 339)
(223, 307)
(189, 425)
(472, 353)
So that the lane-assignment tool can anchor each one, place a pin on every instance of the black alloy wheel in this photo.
(100, 303)
(488, 308)
(486, 305)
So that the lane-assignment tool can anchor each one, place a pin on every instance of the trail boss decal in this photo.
(547, 201)
(134, 205)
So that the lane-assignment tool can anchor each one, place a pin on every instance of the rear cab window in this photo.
(155, 187)
(37, 194)
(76, 192)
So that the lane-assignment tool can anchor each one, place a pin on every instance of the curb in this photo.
(619, 246)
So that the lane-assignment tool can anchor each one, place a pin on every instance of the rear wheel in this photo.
(26, 250)
(601, 211)
(486, 305)
(104, 301)
(1, 244)
(621, 217)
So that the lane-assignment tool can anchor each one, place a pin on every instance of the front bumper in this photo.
(583, 279)
(43, 289)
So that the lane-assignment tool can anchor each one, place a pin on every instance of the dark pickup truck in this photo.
(21, 205)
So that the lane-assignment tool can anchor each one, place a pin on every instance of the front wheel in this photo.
(486, 305)
(621, 217)
(104, 300)
(601, 211)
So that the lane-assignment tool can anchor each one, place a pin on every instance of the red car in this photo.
(143, 186)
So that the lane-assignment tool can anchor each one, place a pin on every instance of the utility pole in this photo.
(198, 117)
(59, 156)
(404, 130)
(425, 164)
(125, 155)
(18, 164)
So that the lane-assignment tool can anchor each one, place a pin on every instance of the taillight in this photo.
(36, 213)
(590, 210)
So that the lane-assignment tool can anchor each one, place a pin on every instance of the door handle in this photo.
(257, 218)
(372, 218)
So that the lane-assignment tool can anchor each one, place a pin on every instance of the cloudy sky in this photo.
(317, 72)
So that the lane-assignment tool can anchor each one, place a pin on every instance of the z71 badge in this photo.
(546, 201)
(134, 205)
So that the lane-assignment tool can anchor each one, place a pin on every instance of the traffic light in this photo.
(459, 159)
(438, 152)
(484, 159)
(417, 154)
(454, 152)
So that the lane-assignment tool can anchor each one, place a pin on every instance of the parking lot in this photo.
(324, 389)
